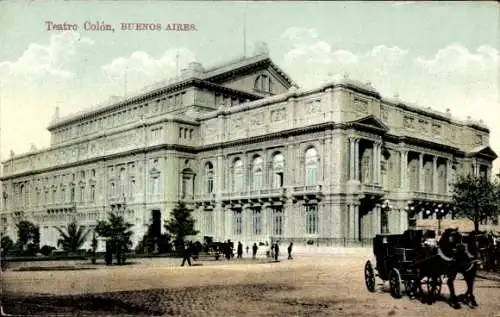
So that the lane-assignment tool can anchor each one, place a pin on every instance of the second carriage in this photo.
(398, 260)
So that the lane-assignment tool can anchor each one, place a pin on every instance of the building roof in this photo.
(194, 71)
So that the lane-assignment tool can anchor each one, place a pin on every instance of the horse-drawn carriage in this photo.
(399, 260)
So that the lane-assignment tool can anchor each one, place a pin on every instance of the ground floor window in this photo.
(256, 216)
(312, 219)
(208, 220)
(237, 222)
(277, 221)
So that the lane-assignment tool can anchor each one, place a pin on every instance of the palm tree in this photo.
(73, 237)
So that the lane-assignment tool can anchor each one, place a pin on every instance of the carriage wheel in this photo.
(369, 277)
(395, 283)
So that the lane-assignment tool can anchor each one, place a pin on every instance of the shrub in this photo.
(47, 250)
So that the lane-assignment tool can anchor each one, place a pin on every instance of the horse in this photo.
(463, 252)
(455, 253)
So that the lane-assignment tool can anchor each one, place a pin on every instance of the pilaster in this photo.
(434, 175)
(421, 182)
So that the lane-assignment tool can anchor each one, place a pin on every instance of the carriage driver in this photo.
(430, 240)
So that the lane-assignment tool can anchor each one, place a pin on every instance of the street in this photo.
(309, 285)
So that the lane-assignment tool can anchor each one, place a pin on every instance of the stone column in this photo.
(356, 159)
(219, 177)
(356, 221)
(420, 173)
(352, 168)
(435, 186)
(321, 162)
(404, 169)
(376, 162)
(448, 176)
(289, 179)
(403, 220)
(327, 161)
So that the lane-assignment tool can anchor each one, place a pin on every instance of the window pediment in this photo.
(371, 122)
(486, 151)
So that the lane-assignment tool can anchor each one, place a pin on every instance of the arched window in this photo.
(311, 166)
(257, 173)
(278, 170)
(238, 175)
(209, 178)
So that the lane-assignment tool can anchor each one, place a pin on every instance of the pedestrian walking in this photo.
(240, 250)
(186, 255)
(248, 248)
(276, 251)
(254, 250)
(290, 251)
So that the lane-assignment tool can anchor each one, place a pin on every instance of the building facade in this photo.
(251, 155)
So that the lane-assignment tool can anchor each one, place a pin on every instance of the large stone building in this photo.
(253, 156)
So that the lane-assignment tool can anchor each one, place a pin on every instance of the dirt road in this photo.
(319, 285)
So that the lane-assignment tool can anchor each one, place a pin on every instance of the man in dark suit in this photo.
(290, 251)
(186, 254)
(276, 251)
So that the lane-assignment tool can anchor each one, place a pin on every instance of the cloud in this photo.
(462, 79)
(49, 59)
(144, 69)
(298, 33)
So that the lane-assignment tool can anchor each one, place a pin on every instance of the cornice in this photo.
(174, 147)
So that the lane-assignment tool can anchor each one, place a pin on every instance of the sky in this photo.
(434, 54)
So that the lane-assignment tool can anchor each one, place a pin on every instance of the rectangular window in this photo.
(311, 176)
(92, 192)
(132, 187)
(312, 219)
(277, 216)
(237, 222)
(256, 216)
(72, 194)
(278, 180)
(208, 219)
(238, 183)
(210, 185)
(257, 181)
(156, 186)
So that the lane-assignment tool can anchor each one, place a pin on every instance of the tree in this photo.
(6, 245)
(94, 247)
(118, 233)
(73, 237)
(28, 237)
(476, 198)
(180, 224)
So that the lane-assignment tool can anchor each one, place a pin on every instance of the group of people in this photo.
(273, 252)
